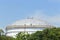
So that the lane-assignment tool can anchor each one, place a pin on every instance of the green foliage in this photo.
(22, 36)
(1, 32)
(6, 38)
(46, 34)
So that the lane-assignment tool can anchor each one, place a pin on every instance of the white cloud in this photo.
(38, 14)
(55, 20)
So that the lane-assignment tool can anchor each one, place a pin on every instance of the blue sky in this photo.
(13, 10)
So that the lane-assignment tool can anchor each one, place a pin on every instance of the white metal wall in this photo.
(13, 32)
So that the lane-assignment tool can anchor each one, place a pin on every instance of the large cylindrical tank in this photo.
(30, 25)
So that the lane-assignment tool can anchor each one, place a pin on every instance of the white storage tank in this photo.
(29, 25)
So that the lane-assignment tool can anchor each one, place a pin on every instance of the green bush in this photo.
(46, 34)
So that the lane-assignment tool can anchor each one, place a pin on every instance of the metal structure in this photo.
(29, 25)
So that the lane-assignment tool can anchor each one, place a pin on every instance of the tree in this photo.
(52, 34)
(1, 32)
(22, 36)
(46, 34)
(6, 38)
